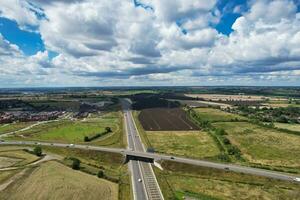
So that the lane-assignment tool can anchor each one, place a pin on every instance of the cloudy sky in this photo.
(149, 42)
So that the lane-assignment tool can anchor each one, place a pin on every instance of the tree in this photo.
(38, 151)
(86, 139)
(76, 164)
(108, 129)
(100, 174)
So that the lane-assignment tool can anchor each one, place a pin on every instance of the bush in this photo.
(100, 174)
(150, 150)
(223, 157)
(226, 141)
(221, 131)
(38, 151)
(233, 150)
(76, 164)
(108, 129)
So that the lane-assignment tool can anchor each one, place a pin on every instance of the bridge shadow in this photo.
(138, 158)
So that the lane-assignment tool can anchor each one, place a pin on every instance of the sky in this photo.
(54, 43)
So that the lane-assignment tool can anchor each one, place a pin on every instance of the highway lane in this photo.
(209, 164)
(145, 171)
(148, 176)
(139, 189)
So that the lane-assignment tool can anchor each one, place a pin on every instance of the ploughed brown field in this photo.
(165, 119)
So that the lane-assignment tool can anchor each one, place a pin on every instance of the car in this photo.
(297, 179)
(2, 141)
(172, 158)
(71, 145)
(139, 180)
(226, 168)
(51, 143)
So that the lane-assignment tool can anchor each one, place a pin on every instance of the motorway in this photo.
(147, 187)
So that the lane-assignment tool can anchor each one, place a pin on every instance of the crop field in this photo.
(201, 104)
(264, 145)
(216, 115)
(182, 181)
(15, 157)
(110, 163)
(5, 175)
(160, 119)
(6, 128)
(194, 144)
(291, 127)
(223, 97)
(71, 131)
(53, 180)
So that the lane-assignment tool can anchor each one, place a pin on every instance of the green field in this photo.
(182, 181)
(73, 131)
(53, 180)
(263, 145)
(6, 128)
(194, 144)
(291, 127)
(216, 115)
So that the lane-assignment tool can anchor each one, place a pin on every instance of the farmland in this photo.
(91, 163)
(242, 97)
(216, 115)
(263, 145)
(161, 119)
(56, 181)
(15, 157)
(194, 144)
(182, 181)
(291, 127)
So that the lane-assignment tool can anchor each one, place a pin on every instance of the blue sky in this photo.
(29, 42)
(143, 42)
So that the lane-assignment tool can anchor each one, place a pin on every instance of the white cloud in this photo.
(116, 40)
(19, 11)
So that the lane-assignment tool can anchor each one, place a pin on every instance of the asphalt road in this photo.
(148, 188)
(139, 190)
